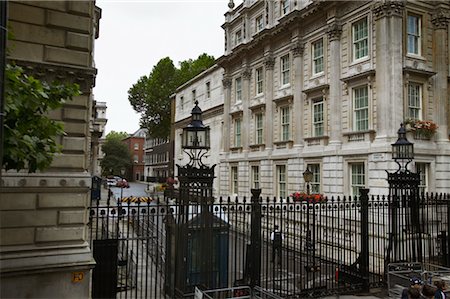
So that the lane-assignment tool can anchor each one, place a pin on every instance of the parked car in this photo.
(122, 183)
(111, 182)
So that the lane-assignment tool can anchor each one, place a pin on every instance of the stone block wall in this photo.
(44, 216)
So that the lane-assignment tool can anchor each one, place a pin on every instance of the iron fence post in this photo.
(447, 198)
(255, 237)
(364, 263)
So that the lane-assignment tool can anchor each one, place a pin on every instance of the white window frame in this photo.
(285, 7)
(285, 123)
(238, 37)
(208, 89)
(360, 42)
(238, 89)
(255, 177)
(315, 168)
(234, 179)
(285, 67)
(259, 23)
(238, 132)
(357, 110)
(318, 125)
(281, 179)
(414, 100)
(414, 34)
(356, 174)
(259, 128)
(317, 53)
(259, 80)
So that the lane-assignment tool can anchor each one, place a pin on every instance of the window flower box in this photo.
(309, 198)
(422, 129)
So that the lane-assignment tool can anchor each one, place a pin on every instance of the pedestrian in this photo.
(428, 291)
(441, 287)
(277, 238)
(415, 283)
(413, 293)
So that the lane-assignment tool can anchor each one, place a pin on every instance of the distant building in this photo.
(157, 153)
(99, 123)
(206, 88)
(44, 250)
(135, 143)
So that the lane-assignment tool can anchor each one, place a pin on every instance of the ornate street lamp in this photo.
(195, 138)
(402, 149)
(308, 177)
(310, 240)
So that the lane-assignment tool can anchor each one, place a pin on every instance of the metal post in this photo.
(448, 229)
(364, 262)
(255, 237)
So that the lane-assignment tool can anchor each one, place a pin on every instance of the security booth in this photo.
(96, 185)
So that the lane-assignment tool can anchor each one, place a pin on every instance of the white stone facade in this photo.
(206, 88)
(327, 84)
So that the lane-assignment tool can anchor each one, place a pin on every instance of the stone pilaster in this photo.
(297, 52)
(269, 65)
(440, 21)
(335, 107)
(389, 67)
(226, 82)
(245, 130)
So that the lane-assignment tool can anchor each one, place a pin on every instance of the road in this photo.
(136, 189)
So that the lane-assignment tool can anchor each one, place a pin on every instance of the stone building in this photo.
(157, 152)
(325, 85)
(206, 88)
(99, 121)
(43, 229)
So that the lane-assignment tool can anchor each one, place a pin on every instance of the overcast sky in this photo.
(135, 35)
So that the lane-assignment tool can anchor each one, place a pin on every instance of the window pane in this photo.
(360, 39)
(414, 100)
(318, 118)
(259, 128)
(281, 176)
(413, 32)
(315, 183)
(361, 109)
(357, 178)
(285, 67)
(318, 57)
(237, 128)
(285, 119)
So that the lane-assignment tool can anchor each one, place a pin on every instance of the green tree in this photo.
(150, 96)
(29, 134)
(117, 135)
(117, 155)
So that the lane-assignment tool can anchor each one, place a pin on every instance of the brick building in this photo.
(135, 143)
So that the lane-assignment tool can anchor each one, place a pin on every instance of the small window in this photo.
(281, 181)
(259, 23)
(238, 37)
(414, 34)
(360, 39)
(422, 169)
(318, 119)
(285, 7)
(315, 183)
(136, 159)
(357, 178)
(259, 80)
(136, 146)
(208, 90)
(237, 132)
(259, 128)
(255, 177)
(414, 101)
(234, 180)
(193, 96)
(238, 87)
(317, 53)
(360, 109)
(285, 123)
(285, 69)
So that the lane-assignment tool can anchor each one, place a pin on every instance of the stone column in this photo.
(245, 129)
(269, 63)
(440, 65)
(297, 53)
(389, 73)
(335, 107)
(226, 113)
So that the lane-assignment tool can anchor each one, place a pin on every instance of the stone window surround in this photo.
(257, 18)
(369, 39)
(288, 70)
(278, 166)
(256, 80)
(320, 91)
(421, 35)
(348, 161)
(420, 77)
(313, 58)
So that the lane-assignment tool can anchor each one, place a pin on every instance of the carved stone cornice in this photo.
(334, 31)
(297, 48)
(246, 74)
(440, 19)
(388, 8)
(226, 82)
(269, 62)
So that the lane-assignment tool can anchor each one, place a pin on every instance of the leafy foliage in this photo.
(150, 96)
(29, 134)
(116, 135)
(117, 154)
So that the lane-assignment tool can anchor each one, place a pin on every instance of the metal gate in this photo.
(332, 246)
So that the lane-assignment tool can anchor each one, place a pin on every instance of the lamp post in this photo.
(310, 240)
(403, 193)
(195, 188)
